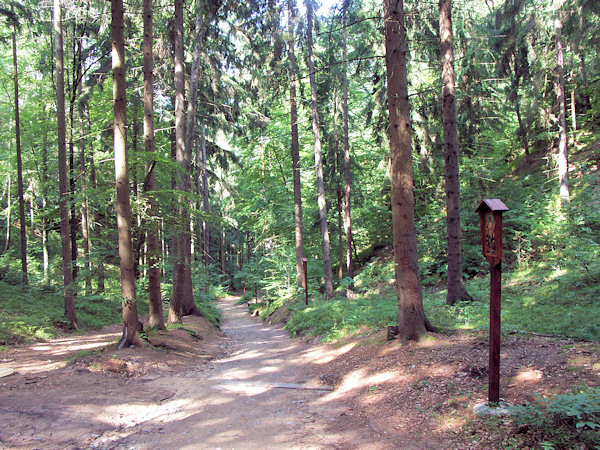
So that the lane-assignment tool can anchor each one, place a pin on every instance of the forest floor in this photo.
(252, 386)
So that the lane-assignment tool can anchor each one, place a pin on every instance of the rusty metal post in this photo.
(305, 266)
(490, 228)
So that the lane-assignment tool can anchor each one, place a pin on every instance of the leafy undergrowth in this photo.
(37, 313)
(570, 420)
(545, 298)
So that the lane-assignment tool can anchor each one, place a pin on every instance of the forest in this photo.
(321, 160)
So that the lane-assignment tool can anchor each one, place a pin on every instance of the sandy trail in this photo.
(258, 394)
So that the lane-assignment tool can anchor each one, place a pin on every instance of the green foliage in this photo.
(564, 421)
(206, 291)
(24, 318)
(35, 314)
(335, 318)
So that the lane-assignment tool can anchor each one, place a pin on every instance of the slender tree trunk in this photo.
(62, 168)
(340, 233)
(85, 216)
(411, 317)
(19, 164)
(205, 202)
(31, 206)
(573, 110)
(522, 128)
(182, 247)
(338, 190)
(189, 306)
(156, 319)
(73, 222)
(456, 286)
(8, 210)
(98, 270)
(128, 297)
(347, 175)
(222, 251)
(563, 161)
(318, 158)
(85, 224)
(295, 148)
(44, 181)
(138, 234)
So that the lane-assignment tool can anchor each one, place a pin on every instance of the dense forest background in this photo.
(232, 193)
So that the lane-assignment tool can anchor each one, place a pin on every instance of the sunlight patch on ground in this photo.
(320, 355)
(359, 379)
(247, 390)
(64, 346)
(450, 423)
(528, 375)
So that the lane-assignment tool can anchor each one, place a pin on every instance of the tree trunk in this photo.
(8, 209)
(347, 176)
(130, 315)
(85, 215)
(318, 159)
(222, 254)
(411, 317)
(138, 235)
(73, 221)
(156, 319)
(563, 161)
(340, 232)
(179, 291)
(456, 286)
(188, 304)
(19, 163)
(205, 202)
(85, 223)
(62, 168)
(44, 181)
(295, 148)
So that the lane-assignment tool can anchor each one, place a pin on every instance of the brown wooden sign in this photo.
(490, 227)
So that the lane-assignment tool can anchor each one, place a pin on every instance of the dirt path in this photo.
(258, 393)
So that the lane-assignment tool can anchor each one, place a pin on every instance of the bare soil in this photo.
(252, 386)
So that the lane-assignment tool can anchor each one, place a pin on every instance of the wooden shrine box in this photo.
(490, 227)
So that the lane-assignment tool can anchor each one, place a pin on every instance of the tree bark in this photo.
(156, 319)
(62, 168)
(205, 200)
(85, 223)
(347, 175)
(295, 148)
(128, 296)
(182, 247)
(563, 161)
(8, 209)
(44, 181)
(189, 307)
(411, 317)
(456, 286)
(318, 158)
(19, 163)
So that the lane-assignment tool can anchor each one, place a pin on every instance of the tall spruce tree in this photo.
(411, 316)
(322, 201)
(131, 329)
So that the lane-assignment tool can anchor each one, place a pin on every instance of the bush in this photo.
(565, 421)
